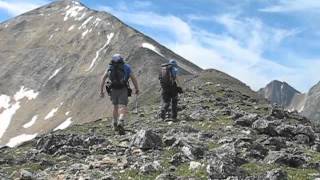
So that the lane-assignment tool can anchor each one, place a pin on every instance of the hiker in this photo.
(118, 89)
(170, 89)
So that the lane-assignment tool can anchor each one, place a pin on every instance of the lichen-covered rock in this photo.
(284, 158)
(146, 139)
(266, 127)
(218, 168)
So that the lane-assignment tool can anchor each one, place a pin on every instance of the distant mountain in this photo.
(52, 59)
(312, 103)
(280, 93)
(307, 104)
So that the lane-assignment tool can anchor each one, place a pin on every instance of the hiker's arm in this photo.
(103, 81)
(135, 83)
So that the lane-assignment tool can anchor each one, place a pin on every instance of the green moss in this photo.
(166, 157)
(212, 145)
(184, 171)
(297, 174)
(134, 174)
(257, 168)
(314, 156)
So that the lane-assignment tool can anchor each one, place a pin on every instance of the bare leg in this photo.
(115, 117)
(123, 113)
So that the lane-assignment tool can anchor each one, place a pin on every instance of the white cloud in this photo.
(294, 6)
(239, 51)
(16, 7)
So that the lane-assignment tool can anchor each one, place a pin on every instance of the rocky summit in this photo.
(222, 132)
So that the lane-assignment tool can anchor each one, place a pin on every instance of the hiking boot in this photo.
(121, 130)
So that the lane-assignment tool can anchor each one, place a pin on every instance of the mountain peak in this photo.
(279, 92)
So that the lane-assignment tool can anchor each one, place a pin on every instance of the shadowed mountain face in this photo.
(312, 103)
(52, 59)
(280, 93)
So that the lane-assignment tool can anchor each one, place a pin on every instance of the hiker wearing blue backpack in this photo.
(169, 89)
(118, 89)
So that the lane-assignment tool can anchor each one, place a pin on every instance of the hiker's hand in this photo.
(137, 91)
(102, 94)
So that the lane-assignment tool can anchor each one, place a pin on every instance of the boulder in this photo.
(218, 168)
(284, 158)
(266, 127)
(246, 120)
(193, 152)
(150, 167)
(26, 175)
(146, 139)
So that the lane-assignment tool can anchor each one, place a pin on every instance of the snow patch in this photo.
(30, 123)
(84, 24)
(67, 113)
(20, 139)
(64, 125)
(4, 101)
(50, 37)
(70, 28)
(109, 38)
(6, 25)
(51, 113)
(6, 117)
(152, 48)
(73, 12)
(96, 22)
(24, 92)
(81, 17)
(11, 109)
(67, 7)
(55, 73)
(84, 33)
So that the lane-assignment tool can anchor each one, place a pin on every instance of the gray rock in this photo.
(146, 139)
(177, 159)
(316, 147)
(284, 158)
(166, 176)
(218, 168)
(266, 127)
(276, 174)
(286, 130)
(150, 167)
(302, 139)
(246, 120)
(169, 140)
(306, 130)
(26, 175)
(193, 152)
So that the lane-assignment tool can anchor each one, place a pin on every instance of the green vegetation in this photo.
(134, 174)
(184, 171)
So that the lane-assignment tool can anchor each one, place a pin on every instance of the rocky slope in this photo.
(52, 59)
(223, 132)
(280, 93)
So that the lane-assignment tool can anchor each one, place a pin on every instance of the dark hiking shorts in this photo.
(119, 96)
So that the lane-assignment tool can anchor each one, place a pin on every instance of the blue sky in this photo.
(254, 41)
